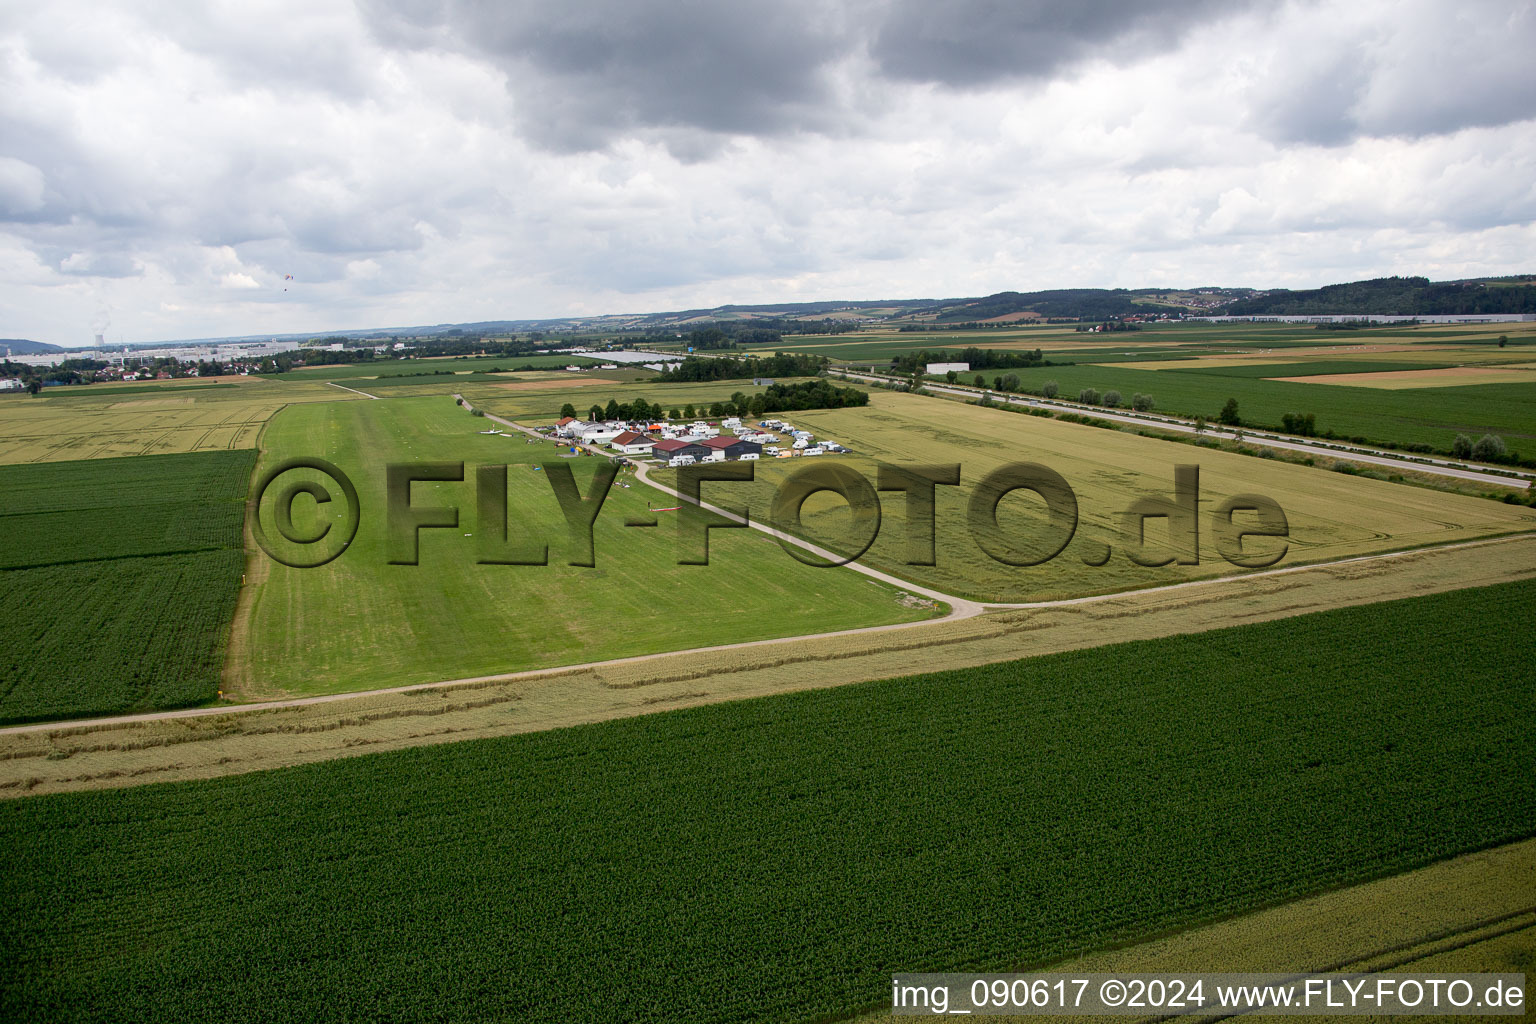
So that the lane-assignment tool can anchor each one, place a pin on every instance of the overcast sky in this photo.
(164, 166)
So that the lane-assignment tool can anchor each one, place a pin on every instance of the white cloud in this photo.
(470, 165)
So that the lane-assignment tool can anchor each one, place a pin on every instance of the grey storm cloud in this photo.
(686, 74)
(979, 42)
(430, 160)
(585, 73)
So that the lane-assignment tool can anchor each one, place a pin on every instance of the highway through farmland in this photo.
(1376, 457)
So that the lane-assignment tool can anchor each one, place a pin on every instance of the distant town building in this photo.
(941, 368)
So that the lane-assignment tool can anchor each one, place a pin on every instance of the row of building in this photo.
(682, 444)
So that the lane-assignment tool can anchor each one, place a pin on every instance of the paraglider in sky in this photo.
(287, 277)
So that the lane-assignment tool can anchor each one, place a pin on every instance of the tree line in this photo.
(979, 358)
(812, 394)
(780, 364)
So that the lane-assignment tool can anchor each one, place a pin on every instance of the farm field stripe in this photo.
(294, 702)
(1333, 449)
(983, 819)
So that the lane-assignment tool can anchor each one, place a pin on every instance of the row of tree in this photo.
(708, 368)
(814, 394)
(978, 358)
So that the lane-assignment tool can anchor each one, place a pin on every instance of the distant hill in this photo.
(1403, 296)
(23, 347)
(1406, 296)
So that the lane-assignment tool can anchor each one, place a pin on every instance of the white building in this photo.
(938, 369)
(599, 433)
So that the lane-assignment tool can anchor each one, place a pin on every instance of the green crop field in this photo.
(118, 580)
(359, 622)
(1331, 515)
(55, 513)
(1174, 340)
(416, 367)
(1431, 416)
(780, 858)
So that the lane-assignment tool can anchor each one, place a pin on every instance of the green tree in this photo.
(1462, 447)
(1112, 399)
(1228, 414)
(1088, 396)
(568, 410)
(1050, 389)
(675, 414)
(1489, 448)
(1503, 340)
(716, 410)
(980, 381)
(34, 386)
(1199, 425)
(688, 411)
(1141, 402)
(1302, 425)
(595, 413)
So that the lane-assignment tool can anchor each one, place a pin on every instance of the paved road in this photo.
(1374, 457)
(353, 390)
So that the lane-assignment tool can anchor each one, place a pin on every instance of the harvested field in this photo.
(1330, 515)
(96, 422)
(1449, 376)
